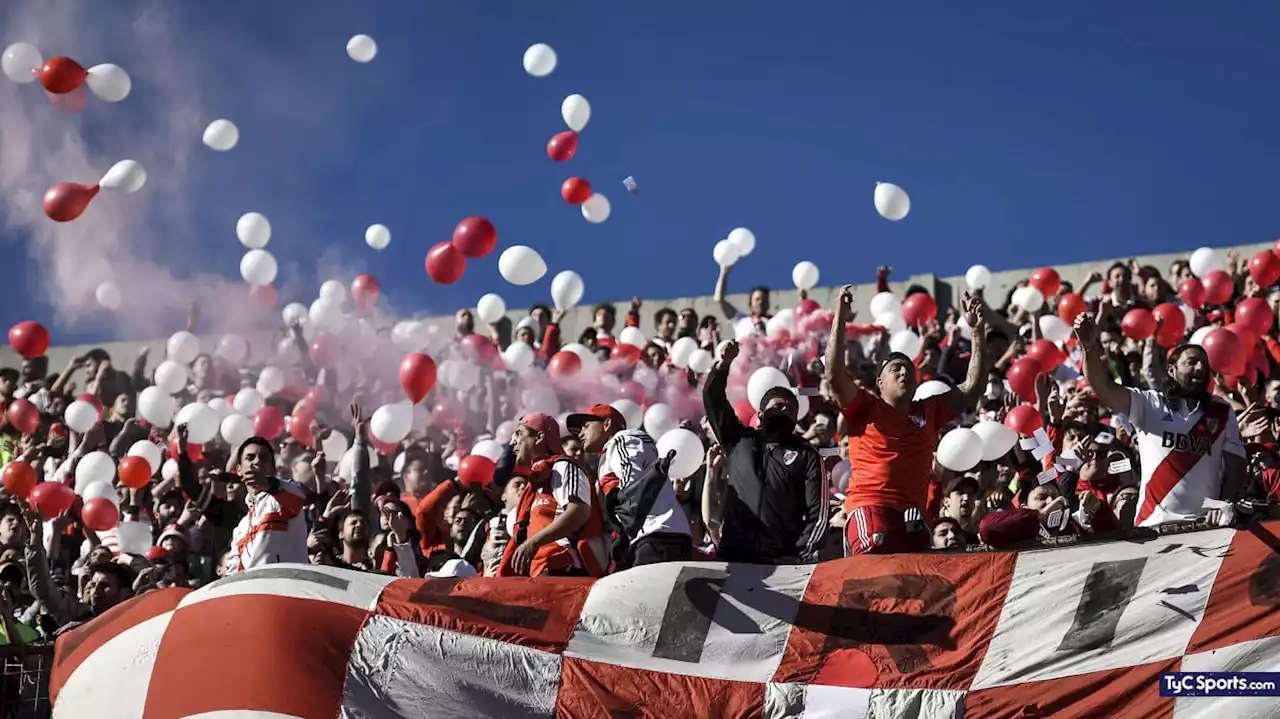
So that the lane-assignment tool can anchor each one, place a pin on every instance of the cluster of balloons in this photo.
(961, 449)
(474, 237)
(66, 201)
(62, 76)
(258, 267)
(740, 243)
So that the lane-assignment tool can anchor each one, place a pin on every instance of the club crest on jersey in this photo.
(917, 420)
(1211, 424)
(789, 457)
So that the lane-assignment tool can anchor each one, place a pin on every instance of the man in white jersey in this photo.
(1188, 440)
(625, 455)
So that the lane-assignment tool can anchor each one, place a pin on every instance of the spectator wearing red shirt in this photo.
(892, 457)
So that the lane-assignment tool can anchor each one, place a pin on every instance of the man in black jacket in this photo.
(775, 504)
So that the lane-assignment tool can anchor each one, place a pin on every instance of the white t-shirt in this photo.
(568, 481)
(1161, 428)
(627, 455)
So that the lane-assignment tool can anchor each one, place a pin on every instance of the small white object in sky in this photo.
(362, 48)
(221, 135)
(630, 183)
(539, 60)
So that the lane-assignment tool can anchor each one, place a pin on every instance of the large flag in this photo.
(1069, 632)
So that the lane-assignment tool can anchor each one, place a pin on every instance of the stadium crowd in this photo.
(1114, 403)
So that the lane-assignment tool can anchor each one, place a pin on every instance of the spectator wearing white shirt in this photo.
(625, 456)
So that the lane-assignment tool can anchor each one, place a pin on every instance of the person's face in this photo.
(253, 469)
(33, 368)
(945, 536)
(462, 524)
(1178, 272)
(525, 335)
(464, 321)
(1039, 497)
(653, 356)
(779, 406)
(99, 555)
(541, 316)
(511, 492)
(593, 435)
(102, 591)
(844, 447)
(6, 385)
(1117, 277)
(1110, 341)
(526, 443)
(603, 320)
(91, 368)
(354, 529)
(1273, 392)
(896, 381)
(1151, 289)
(200, 368)
(302, 472)
(573, 447)
(688, 323)
(167, 511)
(415, 477)
(123, 405)
(1191, 372)
(666, 326)
(12, 531)
(759, 302)
(959, 505)
(823, 431)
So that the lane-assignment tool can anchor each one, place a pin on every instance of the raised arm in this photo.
(720, 415)
(838, 379)
(1110, 394)
(722, 283)
(975, 379)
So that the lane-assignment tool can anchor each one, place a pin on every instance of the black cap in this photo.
(780, 391)
(894, 357)
(955, 485)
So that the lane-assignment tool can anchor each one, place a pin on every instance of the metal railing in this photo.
(24, 681)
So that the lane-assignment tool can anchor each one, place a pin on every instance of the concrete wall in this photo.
(946, 289)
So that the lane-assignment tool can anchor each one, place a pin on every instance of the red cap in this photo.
(597, 411)
(547, 426)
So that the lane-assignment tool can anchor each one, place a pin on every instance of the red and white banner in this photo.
(1078, 631)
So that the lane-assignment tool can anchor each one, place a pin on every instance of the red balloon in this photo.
(1247, 336)
(1255, 313)
(19, 478)
(135, 472)
(445, 264)
(1138, 323)
(1047, 280)
(1024, 419)
(918, 309)
(478, 347)
(449, 414)
(52, 498)
(1173, 324)
(99, 514)
(364, 293)
(66, 201)
(634, 391)
(575, 190)
(564, 364)
(24, 416)
(300, 426)
(1226, 352)
(563, 146)
(1264, 268)
(29, 339)
(746, 413)
(155, 554)
(476, 470)
(628, 353)
(61, 75)
(1218, 287)
(417, 375)
(1070, 307)
(195, 452)
(268, 422)
(71, 102)
(325, 350)
(1046, 354)
(475, 237)
(1191, 290)
(383, 447)
(806, 307)
(265, 296)
(1022, 377)
(313, 399)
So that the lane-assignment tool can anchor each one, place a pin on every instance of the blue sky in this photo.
(1024, 135)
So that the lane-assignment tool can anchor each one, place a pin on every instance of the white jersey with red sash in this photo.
(1181, 447)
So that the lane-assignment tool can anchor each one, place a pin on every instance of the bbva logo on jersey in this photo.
(1186, 443)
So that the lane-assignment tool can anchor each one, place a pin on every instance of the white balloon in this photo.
(576, 112)
(171, 377)
(518, 356)
(377, 237)
(459, 375)
(1028, 298)
(81, 416)
(744, 240)
(202, 422)
(347, 465)
(333, 290)
(566, 289)
(805, 275)
(170, 469)
(488, 449)
(892, 322)
(156, 406)
(1206, 260)
(785, 319)
(254, 230)
(960, 450)
(632, 413)
(148, 450)
(409, 335)
(906, 342)
(127, 176)
(490, 308)
(658, 420)
(997, 439)
(725, 253)
(101, 490)
(590, 362)
(335, 445)
(761, 381)
(295, 312)
(597, 208)
(248, 401)
(270, 380)
(258, 267)
(633, 336)
(109, 82)
(1197, 338)
(362, 48)
(689, 452)
(108, 295)
(504, 431)
(891, 201)
(932, 388)
(133, 537)
(183, 347)
(885, 303)
(745, 327)
(21, 61)
(1188, 314)
(521, 265)
(701, 361)
(391, 422)
(1054, 329)
(221, 135)
(221, 406)
(539, 60)
(978, 277)
(94, 467)
(235, 429)
(233, 348)
(682, 350)
(325, 314)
